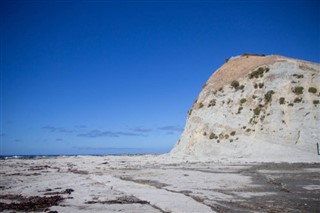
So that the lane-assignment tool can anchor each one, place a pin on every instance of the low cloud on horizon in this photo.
(102, 148)
(57, 129)
(82, 131)
(140, 129)
(99, 133)
(171, 128)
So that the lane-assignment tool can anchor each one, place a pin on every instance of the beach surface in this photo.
(156, 184)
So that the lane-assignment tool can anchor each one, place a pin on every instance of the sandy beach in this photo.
(156, 183)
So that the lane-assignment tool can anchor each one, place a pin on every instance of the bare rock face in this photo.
(256, 106)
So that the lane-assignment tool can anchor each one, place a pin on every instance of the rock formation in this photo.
(256, 106)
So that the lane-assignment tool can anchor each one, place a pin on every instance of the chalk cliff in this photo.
(256, 106)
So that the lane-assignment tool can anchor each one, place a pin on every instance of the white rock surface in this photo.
(156, 184)
(261, 128)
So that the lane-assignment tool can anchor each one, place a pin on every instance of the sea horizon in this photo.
(108, 152)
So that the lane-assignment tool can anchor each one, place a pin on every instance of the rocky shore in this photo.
(156, 183)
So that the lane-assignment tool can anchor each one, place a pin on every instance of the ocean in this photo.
(114, 152)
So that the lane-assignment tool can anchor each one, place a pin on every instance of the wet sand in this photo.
(154, 184)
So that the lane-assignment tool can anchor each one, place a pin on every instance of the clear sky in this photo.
(94, 77)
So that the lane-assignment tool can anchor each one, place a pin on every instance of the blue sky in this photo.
(83, 77)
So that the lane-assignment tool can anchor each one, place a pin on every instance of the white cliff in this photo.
(256, 107)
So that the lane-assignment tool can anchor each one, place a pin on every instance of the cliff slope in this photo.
(256, 107)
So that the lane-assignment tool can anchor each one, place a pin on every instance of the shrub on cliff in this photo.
(268, 96)
(235, 84)
(297, 90)
(312, 90)
(243, 100)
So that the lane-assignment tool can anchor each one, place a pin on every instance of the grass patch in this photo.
(315, 102)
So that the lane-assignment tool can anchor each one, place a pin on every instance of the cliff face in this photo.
(259, 106)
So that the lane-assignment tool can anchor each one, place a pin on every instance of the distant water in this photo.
(3, 157)
(109, 152)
